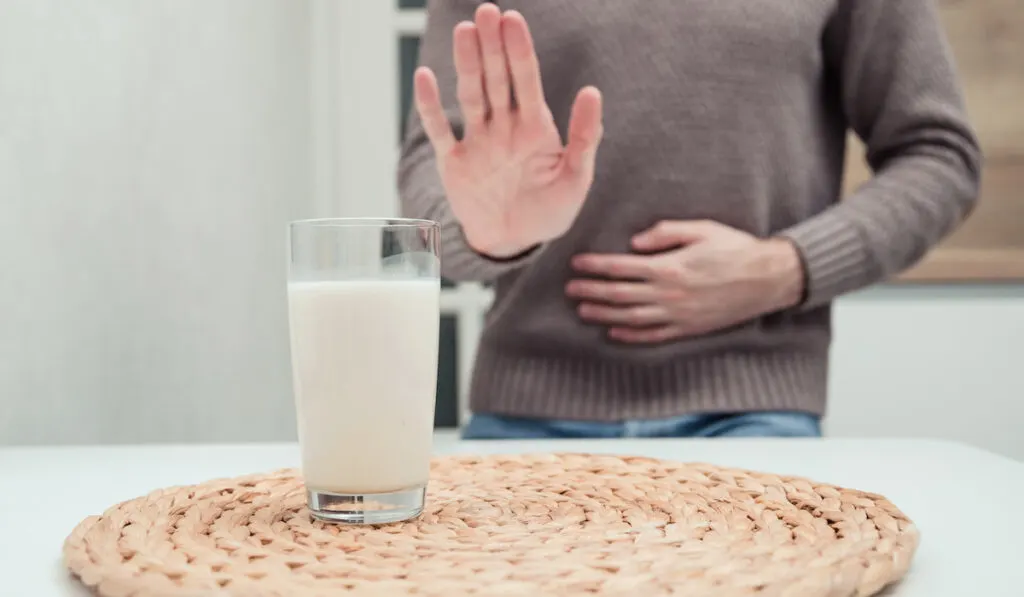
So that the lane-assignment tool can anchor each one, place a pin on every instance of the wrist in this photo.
(497, 248)
(782, 272)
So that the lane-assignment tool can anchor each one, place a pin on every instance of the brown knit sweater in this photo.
(730, 110)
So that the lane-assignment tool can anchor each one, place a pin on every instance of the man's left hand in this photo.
(687, 278)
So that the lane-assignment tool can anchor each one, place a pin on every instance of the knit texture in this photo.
(735, 111)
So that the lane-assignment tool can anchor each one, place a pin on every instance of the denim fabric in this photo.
(755, 424)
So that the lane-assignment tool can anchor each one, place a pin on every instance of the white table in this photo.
(966, 501)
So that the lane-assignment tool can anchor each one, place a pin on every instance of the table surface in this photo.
(964, 500)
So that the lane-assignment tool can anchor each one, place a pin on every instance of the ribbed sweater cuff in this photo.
(835, 257)
(460, 261)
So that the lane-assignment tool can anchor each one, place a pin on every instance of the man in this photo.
(678, 280)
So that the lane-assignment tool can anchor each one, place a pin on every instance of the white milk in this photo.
(364, 365)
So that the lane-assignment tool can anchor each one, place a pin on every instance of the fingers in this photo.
(488, 24)
(431, 112)
(523, 65)
(585, 130)
(622, 293)
(470, 71)
(622, 267)
(652, 335)
(670, 234)
(634, 316)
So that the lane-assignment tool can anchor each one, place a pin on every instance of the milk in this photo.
(364, 365)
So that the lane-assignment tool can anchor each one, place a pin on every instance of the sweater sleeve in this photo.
(420, 190)
(901, 96)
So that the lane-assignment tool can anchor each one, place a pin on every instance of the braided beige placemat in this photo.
(533, 525)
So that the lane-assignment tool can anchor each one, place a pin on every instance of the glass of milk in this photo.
(363, 302)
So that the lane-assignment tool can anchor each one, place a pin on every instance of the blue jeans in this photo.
(754, 424)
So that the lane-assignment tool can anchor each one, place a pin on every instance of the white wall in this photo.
(945, 362)
(150, 155)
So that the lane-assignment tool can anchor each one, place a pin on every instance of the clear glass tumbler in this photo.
(363, 302)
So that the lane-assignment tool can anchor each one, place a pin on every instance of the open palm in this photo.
(510, 181)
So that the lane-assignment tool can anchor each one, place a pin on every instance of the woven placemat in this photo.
(564, 525)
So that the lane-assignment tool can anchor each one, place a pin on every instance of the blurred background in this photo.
(152, 153)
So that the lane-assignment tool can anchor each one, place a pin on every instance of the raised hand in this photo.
(510, 181)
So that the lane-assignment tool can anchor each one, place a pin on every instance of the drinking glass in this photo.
(363, 310)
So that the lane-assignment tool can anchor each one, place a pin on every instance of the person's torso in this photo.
(713, 109)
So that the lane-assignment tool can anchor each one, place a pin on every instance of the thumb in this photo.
(671, 234)
(585, 130)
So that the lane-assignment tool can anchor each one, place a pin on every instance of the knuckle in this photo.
(667, 270)
(675, 296)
